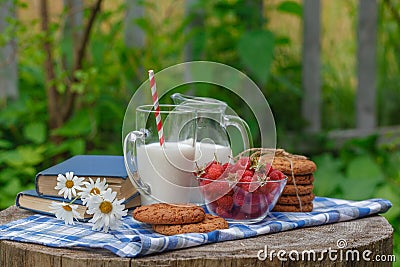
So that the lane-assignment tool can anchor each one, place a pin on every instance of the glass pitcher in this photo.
(163, 173)
(212, 137)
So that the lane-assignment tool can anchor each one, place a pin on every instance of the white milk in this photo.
(205, 153)
(168, 172)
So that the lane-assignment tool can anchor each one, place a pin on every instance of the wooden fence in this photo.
(311, 105)
(366, 65)
(8, 62)
(365, 102)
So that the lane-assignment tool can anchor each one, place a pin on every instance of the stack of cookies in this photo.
(169, 219)
(297, 196)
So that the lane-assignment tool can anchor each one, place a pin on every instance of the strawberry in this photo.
(216, 189)
(210, 164)
(238, 198)
(269, 188)
(248, 183)
(202, 171)
(265, 189)
(243, 173)
(225, 166)
(276, 175)
(253, 203)
(203, 182)
(211, 206)
(271, 198)
(256, 211)
(268, 168)
(243, 163)
(230, 193)
(225, 202)
(237, 214)
(223, 213)
(256, 199)
(230, 168)
(213, 171)
(245, 183)
(246, 179)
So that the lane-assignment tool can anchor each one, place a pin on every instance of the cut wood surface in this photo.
(372, 233)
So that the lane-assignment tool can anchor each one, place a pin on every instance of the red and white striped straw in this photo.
(156, 107)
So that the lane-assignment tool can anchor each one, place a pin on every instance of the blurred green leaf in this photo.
(282, 41)
(5, 144)
(61, 88)
(363, 167)
(390, 193)
(363, 177)
(291, 7)
(97, 50)
(78, 88)
(198, 44)
(80, 75)
(21, 4)
(66, 47)
(10, 115)
(328, 176)
(256, 52)
(35, 132)
(77, 147)
(8, 174)
(9, 192)
(54, 150)
(359, 147)
(23, 156)
(80, 124)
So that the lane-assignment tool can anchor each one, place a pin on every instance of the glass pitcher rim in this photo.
(199, 99)
(166, 108)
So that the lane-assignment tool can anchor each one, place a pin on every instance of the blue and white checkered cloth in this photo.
(137, 239)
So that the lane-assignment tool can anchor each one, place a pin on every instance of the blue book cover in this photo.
(112, 168)
(90, 165)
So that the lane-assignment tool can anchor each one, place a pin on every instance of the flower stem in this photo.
(72, 201)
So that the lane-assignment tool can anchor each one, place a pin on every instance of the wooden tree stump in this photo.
(372, 233)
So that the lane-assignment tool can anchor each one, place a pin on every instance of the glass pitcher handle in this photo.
(130, 160)
(243, 128)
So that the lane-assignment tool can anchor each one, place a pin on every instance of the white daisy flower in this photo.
(69, 184)
(93, 188)
(107, 210)
(65, 211)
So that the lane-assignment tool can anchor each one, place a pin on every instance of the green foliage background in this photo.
(233, 33)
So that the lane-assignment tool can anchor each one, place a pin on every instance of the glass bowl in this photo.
(241, 202)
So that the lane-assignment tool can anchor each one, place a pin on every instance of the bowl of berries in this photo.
(243, 191)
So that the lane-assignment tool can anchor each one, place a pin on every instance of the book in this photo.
(32, 201)
(112, 168)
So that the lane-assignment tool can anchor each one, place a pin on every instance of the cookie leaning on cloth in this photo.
(169, 219)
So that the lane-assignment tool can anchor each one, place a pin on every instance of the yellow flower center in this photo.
(69, 184)
(67, 207)
(95, 191)
(106, 207)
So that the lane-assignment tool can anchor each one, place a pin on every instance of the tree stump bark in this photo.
(372, 233)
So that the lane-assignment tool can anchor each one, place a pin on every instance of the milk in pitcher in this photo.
(168, 171)
(206, 152)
